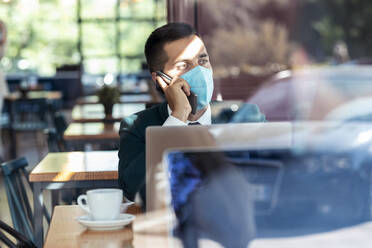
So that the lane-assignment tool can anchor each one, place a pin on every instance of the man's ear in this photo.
(155, 90)
(153, 76)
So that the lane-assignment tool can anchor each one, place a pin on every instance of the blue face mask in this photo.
(200, 80)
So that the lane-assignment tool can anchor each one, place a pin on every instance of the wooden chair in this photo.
(52, 140)
(28, 115)
(22, 241)
(60, 125)
(15, 175)
(56, 142)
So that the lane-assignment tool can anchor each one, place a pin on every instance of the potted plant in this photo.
(108, 96)
(23, 89)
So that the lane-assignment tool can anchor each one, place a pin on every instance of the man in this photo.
(173, 49)
(179, 64)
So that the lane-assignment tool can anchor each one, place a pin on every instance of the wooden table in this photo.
(95, 112)
(78, 135)
(92, 131)
(150, 230)
(71, 170)
(50, 95)
(140, 98)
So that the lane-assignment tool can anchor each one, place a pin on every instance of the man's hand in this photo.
(176, 93)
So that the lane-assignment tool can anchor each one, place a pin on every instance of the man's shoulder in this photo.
(154, 116)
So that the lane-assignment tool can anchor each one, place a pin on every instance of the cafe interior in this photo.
(278, 156)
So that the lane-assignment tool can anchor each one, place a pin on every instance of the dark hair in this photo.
(154, 47)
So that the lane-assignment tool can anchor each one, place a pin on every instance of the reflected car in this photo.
(323, 182)
(331, 115)
(313, 94)
(327, 177)
(319, 190)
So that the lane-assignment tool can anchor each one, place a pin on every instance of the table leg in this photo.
(12, 133)
(38, 215)
(13, 143)
(55, 199)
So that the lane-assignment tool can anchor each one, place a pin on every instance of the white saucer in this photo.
(105, 225)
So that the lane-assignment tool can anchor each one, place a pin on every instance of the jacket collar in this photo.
(163, 111)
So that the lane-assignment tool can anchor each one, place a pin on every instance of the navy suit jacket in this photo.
(132, 168)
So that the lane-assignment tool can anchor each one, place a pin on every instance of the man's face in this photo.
(184, 55)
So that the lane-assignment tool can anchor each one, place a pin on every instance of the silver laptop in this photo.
(248, 135)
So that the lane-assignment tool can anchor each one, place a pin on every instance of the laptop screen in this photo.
(234, 196)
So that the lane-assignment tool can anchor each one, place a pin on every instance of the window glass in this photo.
(161, 10)
(137, 8)
(131, 65)
(98, 8)
(132, 40)
(101, 65)
(98, 39)
(34, 41)
(44, 34)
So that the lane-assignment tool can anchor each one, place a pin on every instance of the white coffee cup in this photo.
(103, 204)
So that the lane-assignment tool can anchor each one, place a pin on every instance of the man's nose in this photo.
(194, 64)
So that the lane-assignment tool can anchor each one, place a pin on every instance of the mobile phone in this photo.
(193, 99)
(164, 76)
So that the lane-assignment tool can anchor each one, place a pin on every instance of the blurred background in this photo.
(71, 70)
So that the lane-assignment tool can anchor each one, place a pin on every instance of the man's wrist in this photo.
(182, 116)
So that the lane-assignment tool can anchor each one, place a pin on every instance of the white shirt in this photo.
(205, 119)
